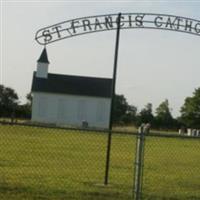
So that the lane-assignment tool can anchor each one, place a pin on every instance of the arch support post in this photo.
(112, 101)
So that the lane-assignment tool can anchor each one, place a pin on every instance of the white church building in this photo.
(69, 100)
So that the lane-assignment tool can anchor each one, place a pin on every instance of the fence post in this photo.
(139, 159)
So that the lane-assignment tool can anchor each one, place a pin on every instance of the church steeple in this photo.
(43, 57)
(42, 65)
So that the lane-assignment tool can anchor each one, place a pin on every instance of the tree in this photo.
(120, 107)
(24, 111)
(164, 117)
(8, 101)
(123, 112)
(146, 115)
(190, 111)
(130, 115)
(29, 99)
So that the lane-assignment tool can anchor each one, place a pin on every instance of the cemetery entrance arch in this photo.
(99, 23)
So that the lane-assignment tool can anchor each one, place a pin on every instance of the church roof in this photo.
(74, 85)
(43, 57)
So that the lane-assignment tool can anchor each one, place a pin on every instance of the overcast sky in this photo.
(153, 65)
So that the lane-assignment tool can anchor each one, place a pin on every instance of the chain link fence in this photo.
(57, 163)
(171, 168)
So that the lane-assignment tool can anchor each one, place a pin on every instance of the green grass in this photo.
(41, 163)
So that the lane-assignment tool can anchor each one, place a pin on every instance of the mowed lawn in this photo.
(41, 163)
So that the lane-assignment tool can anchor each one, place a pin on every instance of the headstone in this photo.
(84, 124)
(180, 132)
(194, 131)
(189, 131)
(198, 133)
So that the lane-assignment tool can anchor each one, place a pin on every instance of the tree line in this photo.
(163, 118)
(10, 106)
(123, 113)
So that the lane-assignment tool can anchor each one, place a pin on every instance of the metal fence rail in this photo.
(43, 162)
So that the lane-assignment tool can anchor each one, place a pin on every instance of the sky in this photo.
(153, 65)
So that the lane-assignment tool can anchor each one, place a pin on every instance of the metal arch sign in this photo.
(100, 23)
